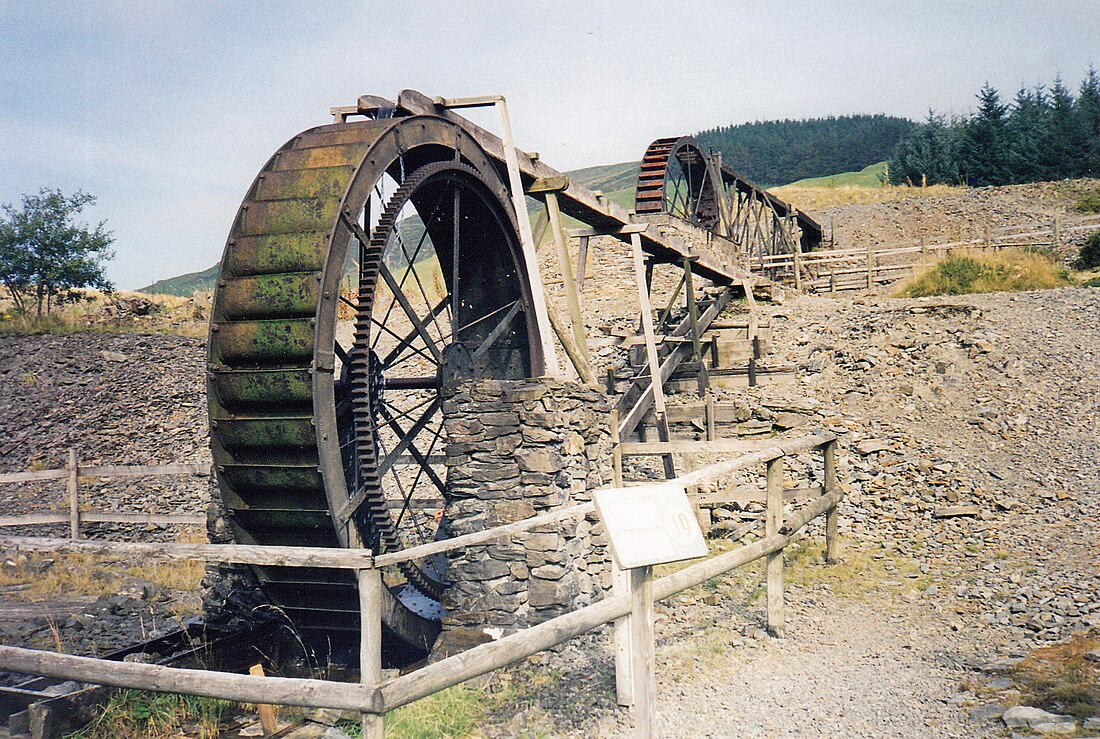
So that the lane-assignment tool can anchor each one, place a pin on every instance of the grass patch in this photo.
(1058, 678)
(1088, 201)
(455, 712)
(45, 576)
(1094, 282)
(132, 713)
(1002, 271)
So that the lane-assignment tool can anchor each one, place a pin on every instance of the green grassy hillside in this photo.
(185, 285)
(872, 175)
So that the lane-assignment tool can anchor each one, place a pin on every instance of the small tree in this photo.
(45, 255)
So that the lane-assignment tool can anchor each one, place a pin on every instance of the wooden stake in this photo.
(870, 266)
(644, 668)
(73, 487)
(370, 646)
(772, 524)
(832, 534)
(265, 710)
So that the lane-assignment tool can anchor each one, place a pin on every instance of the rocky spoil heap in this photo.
(118, 399)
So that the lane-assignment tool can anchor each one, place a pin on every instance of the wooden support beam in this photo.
(635, 409)
(564, 334)
(753, 329)
(625, 229)
(656, 381)
(693, 317)
(582, 263)
(527, 238)
(616, 451)
(551, 184)
(572, 298)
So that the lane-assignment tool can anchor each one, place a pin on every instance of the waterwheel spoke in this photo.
(388, 360)
(406, 437)
(410, 313)
(405, 442)
(424, 468)
(498, 330)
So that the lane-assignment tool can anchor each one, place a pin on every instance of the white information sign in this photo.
(650, 525)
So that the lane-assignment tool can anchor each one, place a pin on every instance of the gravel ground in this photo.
(988, 401)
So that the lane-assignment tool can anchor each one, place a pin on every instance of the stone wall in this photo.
(515, 449)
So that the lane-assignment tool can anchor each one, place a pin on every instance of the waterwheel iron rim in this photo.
(676, 179)
(274, 357)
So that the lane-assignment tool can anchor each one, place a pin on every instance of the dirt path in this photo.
(849, 669)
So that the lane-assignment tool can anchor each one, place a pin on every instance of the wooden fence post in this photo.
(832, 535)
(74, 495)
(870, 266)
(1056, 233)
(797, 254)
(644, 667)
(370, 646)
(624, 641)
(772, 523)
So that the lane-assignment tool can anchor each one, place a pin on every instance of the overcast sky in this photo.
(166, 110)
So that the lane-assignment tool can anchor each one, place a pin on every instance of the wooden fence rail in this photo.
(834, 269)
(74, 471)
(630, 608)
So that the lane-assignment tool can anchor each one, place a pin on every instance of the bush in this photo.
(1089, 258)
(1006, 270)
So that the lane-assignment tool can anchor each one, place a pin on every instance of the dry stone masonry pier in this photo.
(517, 448)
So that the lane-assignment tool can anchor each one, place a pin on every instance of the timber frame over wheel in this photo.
(378, 261)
